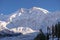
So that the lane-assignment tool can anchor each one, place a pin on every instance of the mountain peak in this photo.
(41, 9)
(22, 10)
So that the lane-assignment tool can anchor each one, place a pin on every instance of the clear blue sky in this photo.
(9, 6)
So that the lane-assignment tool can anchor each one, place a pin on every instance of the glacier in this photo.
(28, 22)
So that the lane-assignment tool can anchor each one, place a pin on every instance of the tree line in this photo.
(53, 33)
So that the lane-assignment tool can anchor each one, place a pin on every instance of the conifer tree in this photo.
(40, 36)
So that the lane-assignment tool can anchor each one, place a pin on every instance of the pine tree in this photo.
(53, 32)
(48, 33)
(57, 30)
(40, 36)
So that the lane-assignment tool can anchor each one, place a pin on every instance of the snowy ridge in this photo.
(23, 30)
(41, 9)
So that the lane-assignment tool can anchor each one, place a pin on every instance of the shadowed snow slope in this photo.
(29, 20)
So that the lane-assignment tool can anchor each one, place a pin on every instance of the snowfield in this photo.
(28, 22)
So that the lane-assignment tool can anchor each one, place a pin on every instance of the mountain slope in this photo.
(28, 18)
(34, 19)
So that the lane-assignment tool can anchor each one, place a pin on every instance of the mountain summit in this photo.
(41, 9)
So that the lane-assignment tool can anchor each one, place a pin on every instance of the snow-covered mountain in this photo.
(29, 20)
